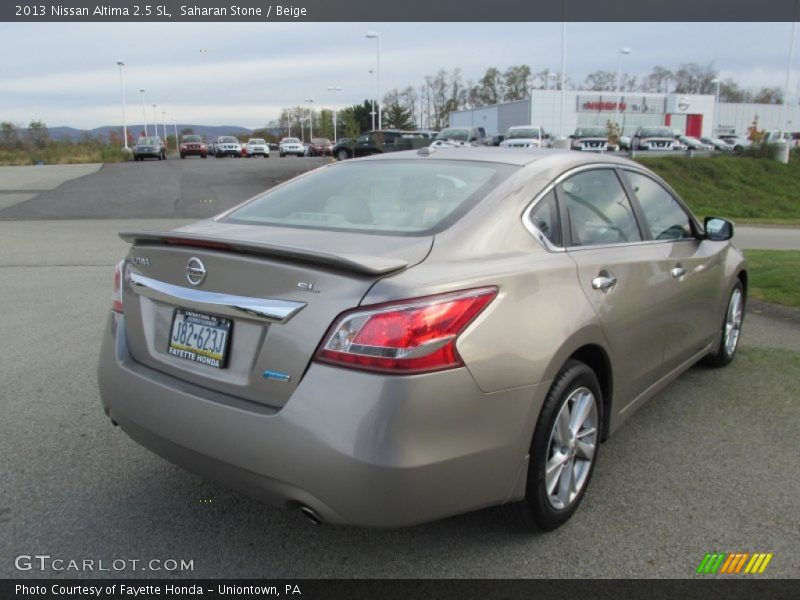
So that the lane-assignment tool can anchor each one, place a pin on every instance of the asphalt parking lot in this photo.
(710, 464)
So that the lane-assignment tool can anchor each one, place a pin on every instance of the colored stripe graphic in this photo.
(734, 563)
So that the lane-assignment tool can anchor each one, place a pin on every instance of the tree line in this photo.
(428, 104)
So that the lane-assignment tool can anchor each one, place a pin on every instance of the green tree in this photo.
(37, 134)
(395, 114)
(516, 82)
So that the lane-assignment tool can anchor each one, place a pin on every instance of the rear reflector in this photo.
(409, 336)
(116, 297)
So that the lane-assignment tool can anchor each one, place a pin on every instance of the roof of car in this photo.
(513, 156)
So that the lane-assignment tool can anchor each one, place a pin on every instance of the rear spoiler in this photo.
(356, 263)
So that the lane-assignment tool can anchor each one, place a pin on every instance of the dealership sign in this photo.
(626, 104)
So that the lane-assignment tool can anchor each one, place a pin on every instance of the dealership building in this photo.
(690, 114)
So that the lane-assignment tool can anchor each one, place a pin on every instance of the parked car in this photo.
(321, 147)
(227, 145)
(291, 145)
(257, 147)
(193, 145)
(458, 136)
(211, 146)
(379, 142)
(498, 139)
(653, 138)
(737, 143)
(693, 143)
(150, 147)
(679, 146)
(717, 144)
(590, 139)
(524, 136)
(405, 337)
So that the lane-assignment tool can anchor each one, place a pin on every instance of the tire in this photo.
(281, 154)
(183, 156)
(731, 332)
(545, 510)
(204, 156)
(342, 154)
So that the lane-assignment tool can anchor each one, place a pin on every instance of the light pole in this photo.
(121, 64)
(622, 53)
(554, 77)
(372, 93)
(715, 122)
(144, 114)
(788, 76)
(334, 88)
(310, 119)
(155, 120)
(164, 124)
(371, 35)
(177, 144)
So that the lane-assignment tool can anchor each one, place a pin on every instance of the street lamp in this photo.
(372, 93)
(175, 126)
(310, 119)
(371, 35)
(121, 64)
(164, 125)
(715, 122)
(334, 88)
(144, 115)
(622, 53)
(155, 120)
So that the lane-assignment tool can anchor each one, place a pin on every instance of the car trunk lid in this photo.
(280, 288)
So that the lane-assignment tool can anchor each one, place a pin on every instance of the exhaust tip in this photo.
(311, 515)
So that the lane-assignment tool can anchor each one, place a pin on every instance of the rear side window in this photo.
(665, 217)
(545, 218)
(599, 210)
(392, 197)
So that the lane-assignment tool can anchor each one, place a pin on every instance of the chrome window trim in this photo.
(550, 247)
(258, 309)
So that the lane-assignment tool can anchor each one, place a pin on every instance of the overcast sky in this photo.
(243, 73)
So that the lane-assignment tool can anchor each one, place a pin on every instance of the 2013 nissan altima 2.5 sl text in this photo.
(396, 339)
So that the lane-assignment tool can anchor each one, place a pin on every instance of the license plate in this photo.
(200, 338)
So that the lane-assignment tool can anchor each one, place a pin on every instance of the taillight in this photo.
(409, 336)
(116, 297)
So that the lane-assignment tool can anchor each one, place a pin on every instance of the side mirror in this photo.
(718, 229)
(571, 137)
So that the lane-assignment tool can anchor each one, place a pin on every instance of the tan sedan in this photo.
(405, 337)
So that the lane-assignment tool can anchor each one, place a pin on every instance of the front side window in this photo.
(665, 217)
(545, 218)
(599, 210)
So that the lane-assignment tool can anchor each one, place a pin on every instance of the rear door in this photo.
(621, 273)
(694, 265)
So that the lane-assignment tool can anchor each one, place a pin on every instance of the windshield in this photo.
(192, 138)
(461, 135)
(591, 132)
(290, 141)
(657, 132)
(321, 141)
(380, 197)
(149, 141)
(257, 141)
(522, 133)
(226, 139)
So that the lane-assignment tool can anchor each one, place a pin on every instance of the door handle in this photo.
(604, 282)
(678, 271)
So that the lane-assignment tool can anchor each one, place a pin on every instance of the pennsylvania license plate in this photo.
(200, 338)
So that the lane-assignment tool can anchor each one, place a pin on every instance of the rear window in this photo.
(381, 197)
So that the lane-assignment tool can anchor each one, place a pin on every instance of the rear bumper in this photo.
(357, 448)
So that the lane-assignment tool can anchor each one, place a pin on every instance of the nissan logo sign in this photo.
(195, 271)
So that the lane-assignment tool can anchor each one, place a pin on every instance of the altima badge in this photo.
(195, 271)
